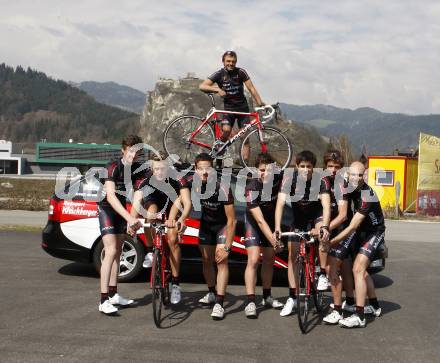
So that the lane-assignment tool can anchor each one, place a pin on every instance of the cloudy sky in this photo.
(382, 54)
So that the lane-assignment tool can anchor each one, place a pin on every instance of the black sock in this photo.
(149, 249)
(322, 271)
(292, 292)
(251, 298)
(360, 312)
(374, 302)
(338, 308)
(219, 299)
(349, 300)
(175, 280)
(112, 290)
(266, 293)
(211, 289)
(104, 296)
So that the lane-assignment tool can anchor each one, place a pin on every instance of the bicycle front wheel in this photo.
(181, 141)
(318, 296)
(302, 294)
(268, 140)
(157, 293)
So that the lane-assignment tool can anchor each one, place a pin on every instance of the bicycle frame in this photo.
(307, 253)
(212, 116)
(160, 243)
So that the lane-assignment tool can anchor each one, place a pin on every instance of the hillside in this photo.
(114, 94)
(34, 106)
(380, 132)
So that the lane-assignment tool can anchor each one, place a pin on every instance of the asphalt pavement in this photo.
(49, 313)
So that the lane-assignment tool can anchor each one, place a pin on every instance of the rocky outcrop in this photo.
(171, 98)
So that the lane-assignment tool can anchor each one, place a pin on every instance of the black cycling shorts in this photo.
(229, 119)
(304, 225)
(369, 244)
(110, 222)
(212, 234)
(163, 205)
(345, 248)
(254, 237)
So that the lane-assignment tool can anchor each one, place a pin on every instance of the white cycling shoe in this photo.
(272, 303)
(148, 261)
(353, 321)
(251, 310)
(176, 295)
(208, 299)
(369, 309)
(107, 308)
(332, 318)
(117, 299)
(323, 283)
(288, 307)
(218, 312)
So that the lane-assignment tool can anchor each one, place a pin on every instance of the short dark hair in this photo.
(203, 157)
(263, 158)
(333, 155)
(306, 155)
(131, 140)
(230, 53)
(158, 156)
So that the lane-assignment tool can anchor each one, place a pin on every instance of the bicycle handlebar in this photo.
(304, 235)
(266, 108)
(159, 225)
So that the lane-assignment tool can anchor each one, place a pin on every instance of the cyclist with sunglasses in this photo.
(228, 83)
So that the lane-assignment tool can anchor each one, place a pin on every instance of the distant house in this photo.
(386, 172)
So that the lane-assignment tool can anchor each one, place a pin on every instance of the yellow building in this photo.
(383, 174)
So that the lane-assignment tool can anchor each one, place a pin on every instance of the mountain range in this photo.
(114, 94)
(378, 132)
(34, 106)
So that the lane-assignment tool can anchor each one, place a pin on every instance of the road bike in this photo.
(160, 279)
(307, 263)
(188, 135)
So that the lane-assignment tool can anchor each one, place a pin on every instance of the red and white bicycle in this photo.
(187, 136)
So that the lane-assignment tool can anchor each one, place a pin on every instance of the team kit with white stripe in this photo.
(211, 196)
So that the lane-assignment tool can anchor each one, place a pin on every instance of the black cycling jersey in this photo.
(162, 193)
(337, 193)
(365, 201)
(115, 173)
(306, 205)
(261, 195)
(212, 208)
(232, 83)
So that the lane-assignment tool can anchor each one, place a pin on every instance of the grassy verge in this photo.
(25, 194)
(19, 228)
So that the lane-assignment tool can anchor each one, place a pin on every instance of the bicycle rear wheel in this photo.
(268, 140)
(177, 140)
(157, 293)
(302, 295)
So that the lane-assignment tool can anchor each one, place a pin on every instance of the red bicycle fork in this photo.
(160, 244)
